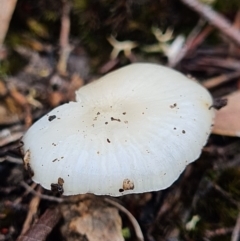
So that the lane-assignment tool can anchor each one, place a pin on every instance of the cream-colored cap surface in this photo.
(132, 131)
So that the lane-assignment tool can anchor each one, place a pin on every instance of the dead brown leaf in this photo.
(91, 219)
(227, 121)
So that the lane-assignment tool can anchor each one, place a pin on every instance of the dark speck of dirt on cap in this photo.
(51, 117)
(174, 105)
(114, 119)
(58, 187)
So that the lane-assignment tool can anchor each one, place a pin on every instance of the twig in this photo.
(6, 11)
(236, 230)
(237, 20)
(16, 160)
(231, 64)
(192, 41)
(64, 38)
(225, 194)
(11, 137)
(233, 49)
(19, 199)
(200, 37)
(215, 19)
(33, 208)
(42, 196)
(216, 81)
(43, 227)
(11, 134)
(218, 232)
(109, 65)
(134, 222)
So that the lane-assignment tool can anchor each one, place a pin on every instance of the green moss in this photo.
(126, 233)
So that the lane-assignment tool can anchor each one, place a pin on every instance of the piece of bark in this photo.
(6, 11)
(40, 230)
(215, 19)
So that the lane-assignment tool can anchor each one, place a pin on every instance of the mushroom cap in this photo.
(132, 131)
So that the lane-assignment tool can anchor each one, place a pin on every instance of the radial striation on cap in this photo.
(132, 131)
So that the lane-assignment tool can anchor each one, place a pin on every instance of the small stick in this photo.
(231, 64)
(32, 211)
(236, 230)
(221, 79)
(19, 199)
(233, 49)
(16, 160)
(215, 19)
(225, 194)
(194, 39)
(6, 11)
(201, 37)
(64, 38)
(134, 222)
(217, 232)
(42, 196)
(12, 137)
(40, 230)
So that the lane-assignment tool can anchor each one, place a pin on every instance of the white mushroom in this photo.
(132, 131)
